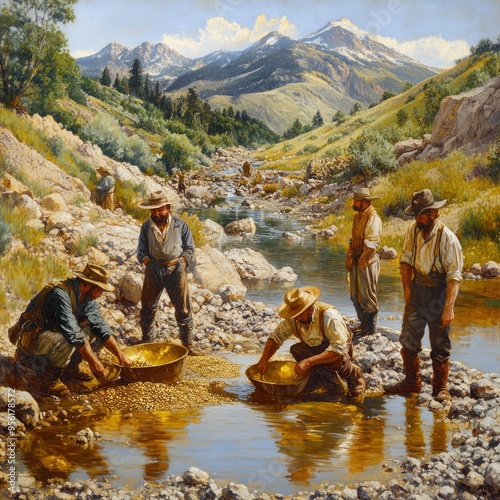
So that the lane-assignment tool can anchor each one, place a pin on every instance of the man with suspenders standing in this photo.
(324, 338)
(431, 271)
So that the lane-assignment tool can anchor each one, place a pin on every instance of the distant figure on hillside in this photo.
(362, 261)
(431, 272)
(181, 186)
(247, 169)
(105, 191)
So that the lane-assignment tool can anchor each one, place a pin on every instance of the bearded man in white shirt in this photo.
(324, 338)
(431, 272)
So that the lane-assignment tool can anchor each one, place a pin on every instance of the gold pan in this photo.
(279, 380)
(154, 362)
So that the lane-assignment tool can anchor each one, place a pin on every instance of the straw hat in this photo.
(96, 275)
(156, 200)
(104, 170)
(297, 300)
(423, 200)
(362, 193)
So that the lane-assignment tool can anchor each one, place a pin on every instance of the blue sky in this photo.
(434, 32)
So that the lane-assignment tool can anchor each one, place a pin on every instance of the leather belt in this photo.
(167, 263)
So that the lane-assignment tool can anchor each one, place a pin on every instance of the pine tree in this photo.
(317, 120)
(105, 77)
(136, 80)
(147, 90)
(117, 85)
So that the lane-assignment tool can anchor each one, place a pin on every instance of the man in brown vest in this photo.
(324, 338)
(431, 272)
(55, 332)
(362, 261)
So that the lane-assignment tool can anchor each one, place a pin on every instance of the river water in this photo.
(269, 447)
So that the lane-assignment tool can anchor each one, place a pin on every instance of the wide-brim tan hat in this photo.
(104, 170)
(297, 300)
(156, 200)
(362, 193)
(96, 275)
(423, 200)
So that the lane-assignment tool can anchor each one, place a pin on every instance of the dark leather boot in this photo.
(51, 385)
(412, 381)
(74, 371)
(371, 323)
(357, 330)
(439, 381)
(353, 375)
(186, 335)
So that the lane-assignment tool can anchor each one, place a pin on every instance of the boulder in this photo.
(468, 122)
(212, 230)
(25, 407)
(229, 293)
(54, 203)
(490, 270)
(243, 226)
(213, 269)
(250, 264)
(130, 287)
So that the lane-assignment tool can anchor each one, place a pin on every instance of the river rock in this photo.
(234, 491)
(213, 269)
(387, 253)
(239, 227)
(292, 237)
(228, 293)
(483, 388)
(284, 275)
(250, 264)
(212, 230)
(26, 408)
(130, 287)
(491, 269)
(195, 477)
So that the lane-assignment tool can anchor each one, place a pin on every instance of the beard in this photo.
(356, 208)
(425, 227)
(159, 220)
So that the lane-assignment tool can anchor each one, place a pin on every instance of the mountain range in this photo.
(276, 80)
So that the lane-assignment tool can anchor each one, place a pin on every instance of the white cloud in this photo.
(83, 53)
(220, 34)
(431, 50)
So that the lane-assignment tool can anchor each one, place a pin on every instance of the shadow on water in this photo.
(272, 446)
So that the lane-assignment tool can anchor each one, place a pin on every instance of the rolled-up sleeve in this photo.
(407, 251)
(373, 230)
(283, 332)
(336, 332)
(451, 255)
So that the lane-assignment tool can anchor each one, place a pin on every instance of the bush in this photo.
(371, 154)
(196, 226)
(82, 244)
(5, 238)
(178, 153)
(289, 192)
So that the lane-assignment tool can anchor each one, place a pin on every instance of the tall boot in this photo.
(357, 330)
(51, 385)
(74, 371)
(439, 380)
(371, 323)
(412, 381)
(353, 375)
(186, 335)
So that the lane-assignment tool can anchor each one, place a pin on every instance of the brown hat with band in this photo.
(157, 199)
(96, 275)
(423, 200)
(297, 300)
(104, 170)
(362, 193)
